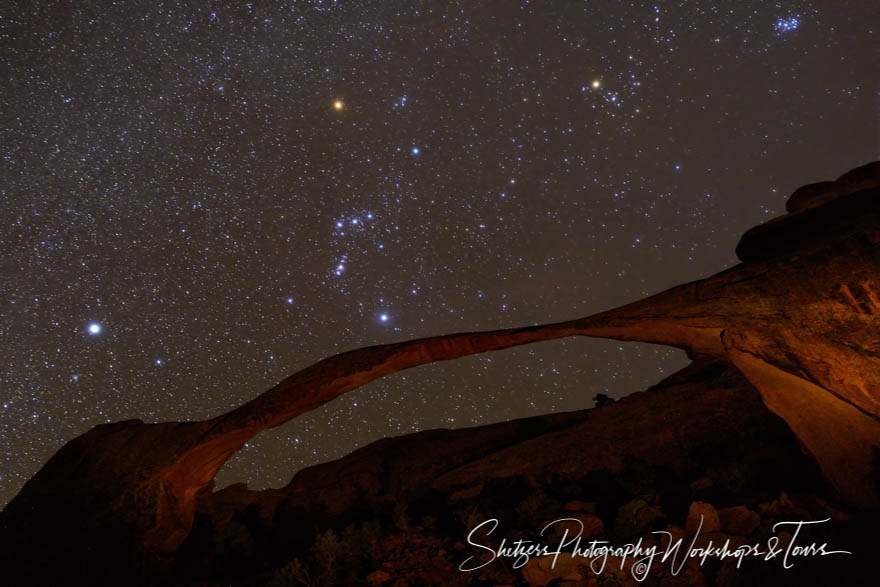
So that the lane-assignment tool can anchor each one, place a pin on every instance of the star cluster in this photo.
(199, 199)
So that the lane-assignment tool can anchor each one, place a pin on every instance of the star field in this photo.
(199, 199)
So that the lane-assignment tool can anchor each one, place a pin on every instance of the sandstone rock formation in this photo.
(799, 319)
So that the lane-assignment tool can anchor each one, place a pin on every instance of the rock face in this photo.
(703, 410)
(798, 321)
(816, 194)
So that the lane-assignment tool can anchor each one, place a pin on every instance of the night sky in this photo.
(199, 199)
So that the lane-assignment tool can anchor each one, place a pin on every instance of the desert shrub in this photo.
(471, 516)
(371, 533)
(292, 574)
(400, 517)
(327, 552)
(536, 510)
(335, 558)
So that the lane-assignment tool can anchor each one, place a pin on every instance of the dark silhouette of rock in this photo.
(816, 194)
(635, 518)
(799, 321)
(738, 520)
(701, 410)
(702, 517)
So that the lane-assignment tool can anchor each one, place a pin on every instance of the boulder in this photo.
(738, 520)
(702, 517)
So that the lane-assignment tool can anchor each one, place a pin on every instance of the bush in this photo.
(293, 573)
(399, 517)
(536, 510)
